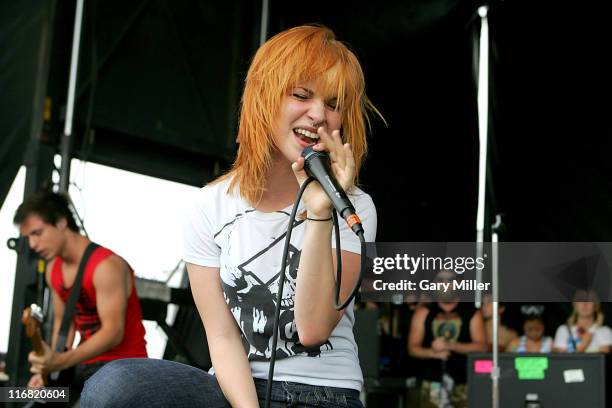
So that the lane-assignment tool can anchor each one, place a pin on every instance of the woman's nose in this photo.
(316, 113)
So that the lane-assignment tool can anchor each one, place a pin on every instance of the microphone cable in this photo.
(281, 279)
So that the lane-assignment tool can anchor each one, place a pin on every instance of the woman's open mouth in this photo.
(306, 136)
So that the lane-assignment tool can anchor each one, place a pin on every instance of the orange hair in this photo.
(299, 54)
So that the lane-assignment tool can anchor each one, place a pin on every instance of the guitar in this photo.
(32, 319)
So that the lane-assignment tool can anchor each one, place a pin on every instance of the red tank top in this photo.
(86, 319)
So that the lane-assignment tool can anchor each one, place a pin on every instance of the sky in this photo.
(138, 217)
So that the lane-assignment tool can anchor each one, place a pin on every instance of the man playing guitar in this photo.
(107, 316)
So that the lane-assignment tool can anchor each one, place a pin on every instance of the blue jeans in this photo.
(141, 382)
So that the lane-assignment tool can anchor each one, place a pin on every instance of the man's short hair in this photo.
(50, 207)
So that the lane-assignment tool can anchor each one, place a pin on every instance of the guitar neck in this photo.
(31, 321)
(37, 343)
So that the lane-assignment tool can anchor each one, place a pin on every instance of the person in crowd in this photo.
(441, 335)
(533, 339)
(584, 330)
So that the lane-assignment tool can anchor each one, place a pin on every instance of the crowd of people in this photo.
(441, 333)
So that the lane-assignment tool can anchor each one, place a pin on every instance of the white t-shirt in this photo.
(222, 230)
(602, 336)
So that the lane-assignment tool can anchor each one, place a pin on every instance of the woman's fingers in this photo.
(338, 148)
(345, 173)
(329, 141)
(350, 158)
(332, 143)
(298, 170)
(341, 155)
(320, 147)
(298, 164)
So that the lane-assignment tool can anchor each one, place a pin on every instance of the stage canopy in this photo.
(160, 81)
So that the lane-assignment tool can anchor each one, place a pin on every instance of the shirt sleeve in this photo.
(364, 206)
(605, 338)
(561, 337)
(199, 247)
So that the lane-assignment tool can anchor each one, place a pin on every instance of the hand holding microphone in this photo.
(318, 165)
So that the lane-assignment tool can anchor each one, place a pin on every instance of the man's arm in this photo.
(417, 334)
(112, 284)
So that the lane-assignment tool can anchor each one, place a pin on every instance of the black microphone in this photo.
(318, 166)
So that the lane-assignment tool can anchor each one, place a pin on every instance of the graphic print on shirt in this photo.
(250, 289)
(447, 326)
